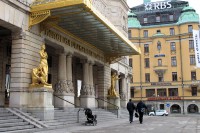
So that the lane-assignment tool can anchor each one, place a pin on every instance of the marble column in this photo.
(69, 96)
(64, 88)
(87, 89)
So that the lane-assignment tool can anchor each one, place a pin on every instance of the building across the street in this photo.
(87, 45)
(165, 75)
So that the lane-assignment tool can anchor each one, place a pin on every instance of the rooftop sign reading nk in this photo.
(157, 5)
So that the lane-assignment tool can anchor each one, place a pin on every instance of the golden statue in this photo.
(40, 74)
(112, 92)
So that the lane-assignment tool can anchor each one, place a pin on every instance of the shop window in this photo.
(162, 92)
(173, 92)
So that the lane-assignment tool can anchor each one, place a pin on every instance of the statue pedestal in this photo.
(40, 102)
(115, 101)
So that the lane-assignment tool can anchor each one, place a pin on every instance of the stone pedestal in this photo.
(87, 101)
(123, 103)
(60, 103)
(40, 103)
(115, 101)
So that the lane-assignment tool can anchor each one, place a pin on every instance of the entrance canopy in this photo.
(82, 20)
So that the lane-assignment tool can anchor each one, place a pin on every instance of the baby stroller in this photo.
(91, 119)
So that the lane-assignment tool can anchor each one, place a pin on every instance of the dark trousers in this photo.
(130, 116)
(141, 116)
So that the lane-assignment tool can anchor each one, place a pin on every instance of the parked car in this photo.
(159, 113)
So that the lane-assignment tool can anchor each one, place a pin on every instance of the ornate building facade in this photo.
(165, 75)
(85, 46)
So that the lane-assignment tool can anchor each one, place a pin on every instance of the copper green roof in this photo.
(188, 15)
(133, 22)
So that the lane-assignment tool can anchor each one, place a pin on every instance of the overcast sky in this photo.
(193, 3)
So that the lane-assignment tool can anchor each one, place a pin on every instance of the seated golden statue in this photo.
(40, 74)
(112, 92)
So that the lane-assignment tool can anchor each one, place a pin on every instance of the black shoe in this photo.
(140, 122)
(130, 121)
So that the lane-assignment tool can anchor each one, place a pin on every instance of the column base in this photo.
(40, 103)
(60, 103)
(87, 101)
(123, 103)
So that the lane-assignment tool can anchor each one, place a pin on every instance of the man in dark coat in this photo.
(141, 109)
(130, 107)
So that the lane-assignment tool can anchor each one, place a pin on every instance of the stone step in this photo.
(11, 120)
(13, 124)
(4, 111)
(8, 117)
(6, 114)
(6, 129)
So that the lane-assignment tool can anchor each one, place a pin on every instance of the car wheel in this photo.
(151, 114)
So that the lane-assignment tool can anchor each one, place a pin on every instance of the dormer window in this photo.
(145, 20)
(157, 18)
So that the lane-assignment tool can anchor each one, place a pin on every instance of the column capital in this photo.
(69, 54)
(84, 61)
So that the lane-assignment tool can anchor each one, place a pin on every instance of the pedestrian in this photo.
(141, 109)
(130, 107)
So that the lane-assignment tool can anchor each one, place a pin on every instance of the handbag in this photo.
(136, 115)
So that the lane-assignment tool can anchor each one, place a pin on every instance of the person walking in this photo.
(141, 109)
(130, 107)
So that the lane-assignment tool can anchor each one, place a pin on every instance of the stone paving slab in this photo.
(153, 124)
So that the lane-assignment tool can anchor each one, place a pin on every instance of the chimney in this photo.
(146, 1)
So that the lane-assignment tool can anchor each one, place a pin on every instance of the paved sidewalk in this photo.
(82, 127)
(154, 124)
